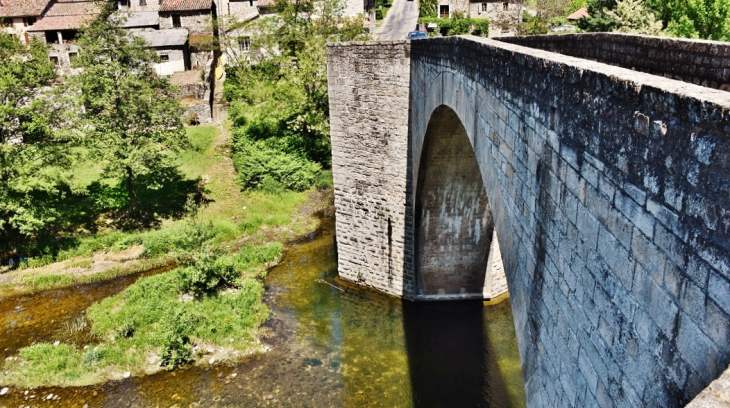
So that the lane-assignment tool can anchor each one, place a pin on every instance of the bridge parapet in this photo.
(610, 197)
(699, 62)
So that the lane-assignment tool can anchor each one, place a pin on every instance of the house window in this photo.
(485, 6)
(244, 44)
(505, 28)
(505, 6)
(28, 21)
(164, 57)
(444, 11)
(72, 56)
(176, 23)
(54, 60)
(142, 3)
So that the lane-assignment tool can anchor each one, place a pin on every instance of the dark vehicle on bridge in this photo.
(414, 35)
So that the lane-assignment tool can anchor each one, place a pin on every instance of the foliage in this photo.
(280, 105)
(131, 118)
(705, 19)
(257, 162)
(428, 9)
(176, 328)
(325, 180)
(576, 5)
(460, 25)
(30, 149)
(632, 17)
(204, 273)
(547, 10)
(598, 21)
(532, 25)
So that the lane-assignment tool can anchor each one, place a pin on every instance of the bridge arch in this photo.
(457, 254)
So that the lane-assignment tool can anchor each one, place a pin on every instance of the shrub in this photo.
(324, 180)
(379, 14)
(206, 273)
(177, 349)
(460, 25)
(254, 161)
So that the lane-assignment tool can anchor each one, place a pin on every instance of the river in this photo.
(331, 346)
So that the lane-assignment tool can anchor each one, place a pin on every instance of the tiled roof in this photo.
(60, 23)
(77, 8)
(22, 8)
(142, 19)
(580, 13)
(66, 15)
(183, 5)
(163, 38)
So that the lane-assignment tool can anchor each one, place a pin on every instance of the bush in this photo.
(379, 14)
(324, 180)
(254, 161)
(459, 26)
(177, 349)
(206, 273)
(428, 9)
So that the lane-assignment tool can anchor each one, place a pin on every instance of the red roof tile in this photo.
(22, 8)
(60, 23)
(184, 5)
(73, 9)
(66, 15)
(580, 13)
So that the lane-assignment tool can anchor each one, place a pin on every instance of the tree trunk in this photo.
(131, 191)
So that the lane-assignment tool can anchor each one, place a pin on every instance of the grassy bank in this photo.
(207, 310)
(226, 217)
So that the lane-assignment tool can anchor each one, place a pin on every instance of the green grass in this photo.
(44, 282)
(144, 320)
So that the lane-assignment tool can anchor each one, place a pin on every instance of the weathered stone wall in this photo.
(695, 61)
(368, 93)
(196, 21)
(609, 193)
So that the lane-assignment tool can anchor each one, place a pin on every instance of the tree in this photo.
(632, 17)
(598, 21)
(282, 95)
(545, 12)
(131, 118)
(706, 19)
(30, 148)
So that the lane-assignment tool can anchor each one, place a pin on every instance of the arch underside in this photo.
(454, 226)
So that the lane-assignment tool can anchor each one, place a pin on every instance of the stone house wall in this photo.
(194, 21)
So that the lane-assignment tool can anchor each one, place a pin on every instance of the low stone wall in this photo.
(701, 62)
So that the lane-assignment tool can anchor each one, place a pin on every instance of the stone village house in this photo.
(504, 16)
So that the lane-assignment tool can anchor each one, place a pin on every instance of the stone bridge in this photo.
(603, 175)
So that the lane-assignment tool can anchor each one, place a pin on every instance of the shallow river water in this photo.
(331, 347)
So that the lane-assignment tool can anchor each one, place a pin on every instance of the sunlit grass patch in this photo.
(44, 282)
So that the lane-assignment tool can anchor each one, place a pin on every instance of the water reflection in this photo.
(450, 362)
